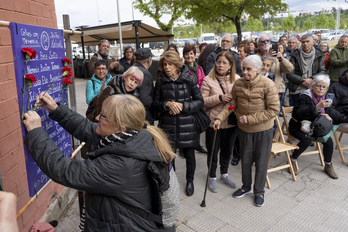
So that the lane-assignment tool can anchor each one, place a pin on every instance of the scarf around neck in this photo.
(193, 69)
(120, 137)
(306, 62)
(316, 100)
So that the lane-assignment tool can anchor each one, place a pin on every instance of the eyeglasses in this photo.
(226, 41)
(102, 116)
(101, 69)
(265, 40)
(129, 52)
(321, 86)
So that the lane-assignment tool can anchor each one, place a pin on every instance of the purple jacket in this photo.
(200, 75)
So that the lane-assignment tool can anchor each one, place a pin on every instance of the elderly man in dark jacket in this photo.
(103, 53)
(307, 62)
(226, 45)
(143, 62)
(339, 108)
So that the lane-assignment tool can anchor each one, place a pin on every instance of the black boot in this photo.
(201, 149)
(189, 189)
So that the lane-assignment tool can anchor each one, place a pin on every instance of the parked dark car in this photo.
(154, 45)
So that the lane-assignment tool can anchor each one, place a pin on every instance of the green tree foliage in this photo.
(342, 25)
(253, 25)
(157, 8)
(288, 24)
(308, 24)
(207, 11)
(322, 20)
(332, 22)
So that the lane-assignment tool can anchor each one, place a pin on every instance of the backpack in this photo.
(90, 112)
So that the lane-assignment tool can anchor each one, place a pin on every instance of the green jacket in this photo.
(338, 61)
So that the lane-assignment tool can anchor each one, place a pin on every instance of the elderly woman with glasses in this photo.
(309, 106)
(127, 83)
(99, 80)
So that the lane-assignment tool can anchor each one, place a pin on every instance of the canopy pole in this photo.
(119, 27)
(68, 51)
(136, 25)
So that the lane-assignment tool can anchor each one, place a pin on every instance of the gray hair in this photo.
(306, 36)
(102, 41)
(321, 78)
(343, 37)
(228, 34)
(255, 59)
(328, 46)
(262, 35)
(315, 36)
(267, 57)
(292, 38)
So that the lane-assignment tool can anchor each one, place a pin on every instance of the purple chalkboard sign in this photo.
(47, 66)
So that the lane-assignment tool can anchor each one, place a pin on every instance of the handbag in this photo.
(202, 120)
(320, 127)
(232, 118)
(326, 137)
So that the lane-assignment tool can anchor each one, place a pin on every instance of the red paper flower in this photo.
(30, 53)
(231, 108)
(67, 81)
(66, 61)
(30, 78)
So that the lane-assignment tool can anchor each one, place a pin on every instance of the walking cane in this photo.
(210, 161)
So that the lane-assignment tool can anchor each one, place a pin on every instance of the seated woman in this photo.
(121, 84)
(176, 98)
(116, 173)
(309, 106)
(99, 80)
(216, 90)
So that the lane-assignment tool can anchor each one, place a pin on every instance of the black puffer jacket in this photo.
(117, 171)
(295, 77)
(115, 86)
(181, 128)
(212, 58)
(339, 109)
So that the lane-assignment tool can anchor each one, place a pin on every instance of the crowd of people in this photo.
(255, 81)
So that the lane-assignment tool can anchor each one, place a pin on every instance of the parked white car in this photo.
(333, 36)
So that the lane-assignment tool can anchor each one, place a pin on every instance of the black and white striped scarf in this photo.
(120, 137)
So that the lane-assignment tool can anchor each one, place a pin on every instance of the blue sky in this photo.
(87, 14)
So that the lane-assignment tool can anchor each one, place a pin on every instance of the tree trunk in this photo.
(236, 21)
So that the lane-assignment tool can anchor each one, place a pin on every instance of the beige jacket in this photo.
(211, 90)
(258, 100)
(278, 68)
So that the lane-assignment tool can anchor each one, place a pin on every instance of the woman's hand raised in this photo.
(31, 120)
(323, 104)
(47, 102)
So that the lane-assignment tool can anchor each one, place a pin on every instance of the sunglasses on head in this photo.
(265, 40)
